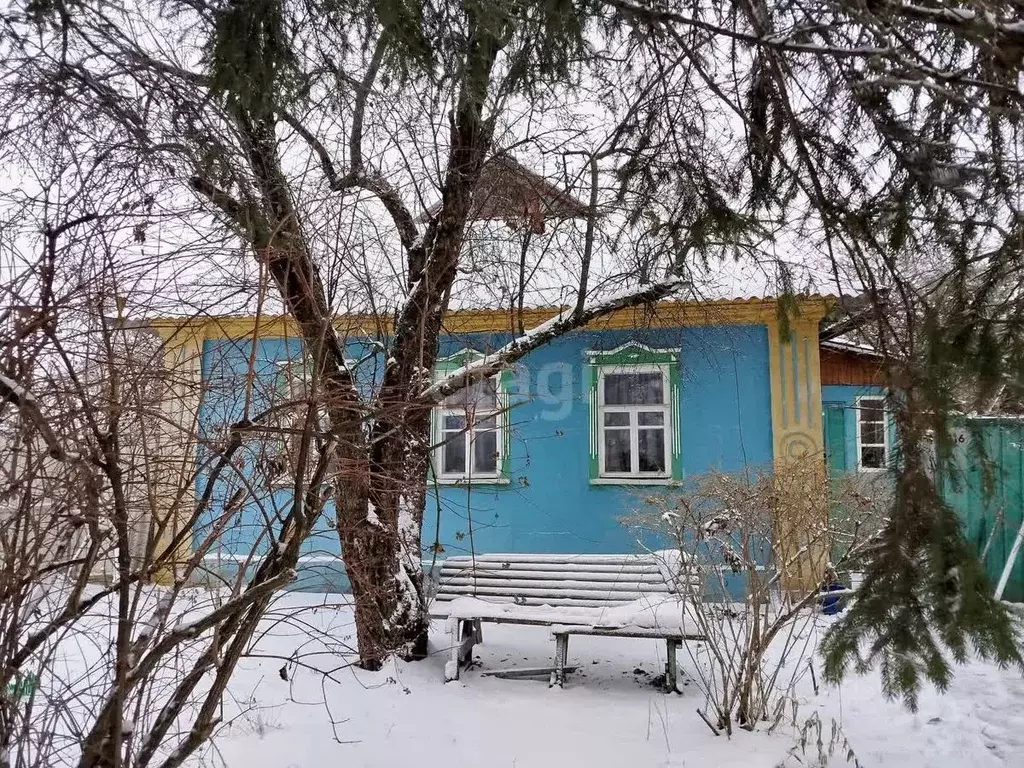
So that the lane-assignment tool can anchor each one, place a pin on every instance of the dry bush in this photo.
(763, 550)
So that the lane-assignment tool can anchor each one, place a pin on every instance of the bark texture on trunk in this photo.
(401, 432)
(370, 546)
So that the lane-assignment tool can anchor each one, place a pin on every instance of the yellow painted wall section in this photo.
(664, 314)
(801, 527)
(175, 458)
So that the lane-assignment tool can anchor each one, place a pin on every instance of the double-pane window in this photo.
(872, 433)
(469, 432)
(634, 422)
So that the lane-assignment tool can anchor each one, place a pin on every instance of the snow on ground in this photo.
(609, 714)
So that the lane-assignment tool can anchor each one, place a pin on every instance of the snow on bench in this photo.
(599, 595)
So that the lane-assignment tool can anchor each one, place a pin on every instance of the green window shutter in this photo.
(835, 438)
(595, 430)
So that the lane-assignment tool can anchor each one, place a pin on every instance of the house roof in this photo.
(850, 346)
(508, 191)
(663, 314)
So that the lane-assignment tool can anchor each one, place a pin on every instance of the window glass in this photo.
(871, 410)
(872, 457)
(651, 450)
(634, 389)
(616, 419)
(616, 451)
(485, 450)
(872, 433)
(454, 422)
(454, 455)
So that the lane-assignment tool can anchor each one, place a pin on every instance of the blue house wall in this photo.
(549, 505)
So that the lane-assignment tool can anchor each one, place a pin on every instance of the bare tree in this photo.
(101, 541)
(879, 142)
(759, 638)
(232, 125)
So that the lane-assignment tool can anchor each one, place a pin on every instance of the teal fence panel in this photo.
(985, 485)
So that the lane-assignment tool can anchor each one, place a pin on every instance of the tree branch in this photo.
(965, 22)
(355, 142)
(565, 321)
(233, 209)
(358, 177)
(28, 405)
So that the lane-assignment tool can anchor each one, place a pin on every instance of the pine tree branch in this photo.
(965, 22)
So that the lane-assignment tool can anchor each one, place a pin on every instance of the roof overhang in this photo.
(664, 314)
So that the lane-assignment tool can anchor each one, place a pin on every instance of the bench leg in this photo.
(671, 668)
(470, 632)
(561, 654)
(478, 631)
(451, 667)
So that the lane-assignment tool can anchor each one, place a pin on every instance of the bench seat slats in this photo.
(529, 586)
(588, 594)
(524, 572)
(556, 602)
(533, 579)
(562, 568)
(615, 560)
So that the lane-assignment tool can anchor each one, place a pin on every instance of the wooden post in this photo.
(173, 494)
(451, 667)
(561, 655)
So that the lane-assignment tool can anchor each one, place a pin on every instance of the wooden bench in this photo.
(596, 595)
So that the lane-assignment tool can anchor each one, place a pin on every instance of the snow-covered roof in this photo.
(850, 345)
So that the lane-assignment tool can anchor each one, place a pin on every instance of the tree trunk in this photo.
(369, 544)
(382, 560)
(401, 432)
(380, 483)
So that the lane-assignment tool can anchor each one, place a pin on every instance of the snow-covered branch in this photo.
(967, 20)
(27, 403)
(660, 16)
(565, 321)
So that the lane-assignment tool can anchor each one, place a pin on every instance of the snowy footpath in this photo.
(317, 710)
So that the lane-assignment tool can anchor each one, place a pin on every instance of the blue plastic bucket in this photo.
(832, 603)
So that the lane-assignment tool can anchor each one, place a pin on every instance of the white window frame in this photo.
(885, 444)
(469, 475)
(634, 429)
